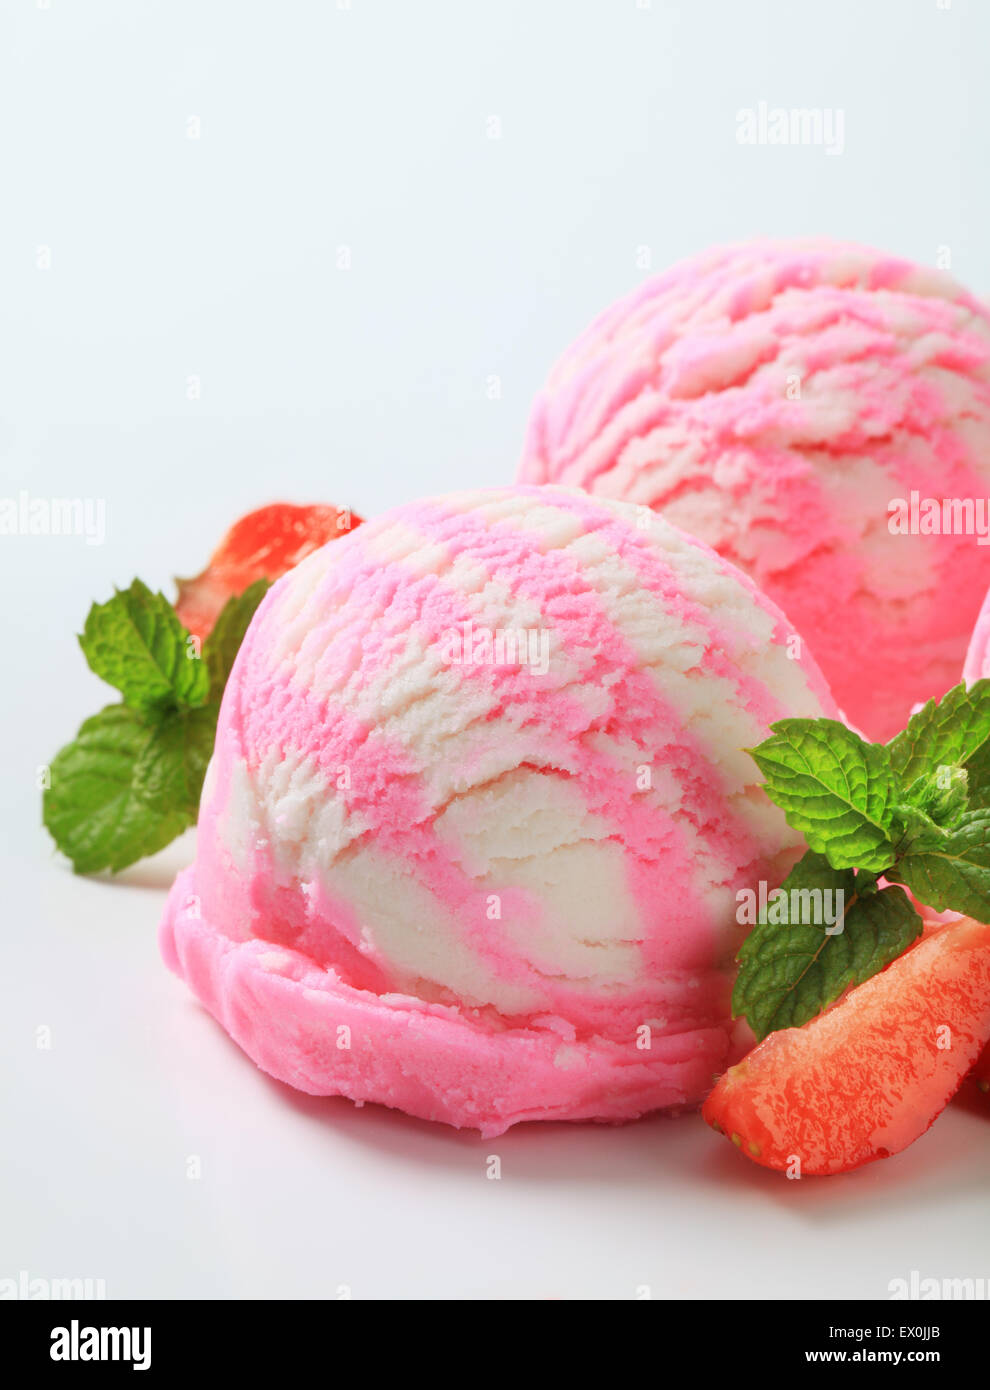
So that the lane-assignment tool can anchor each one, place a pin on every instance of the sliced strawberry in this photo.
(263, 545)
(981, 1072)
(865, 1079)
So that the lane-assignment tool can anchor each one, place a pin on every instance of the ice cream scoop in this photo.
(977, 664)
(479, 808)
(807, 408)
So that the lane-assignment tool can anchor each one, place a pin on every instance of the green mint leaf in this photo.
(935, 801)
(776, 957)
(951, 731)
(954, 873)
(945, 794)
(223, 643)
(104, 807)
(130, 781)
(170, 772)
(837, 790)
(793, 966)
(137, 644)
(914, 830)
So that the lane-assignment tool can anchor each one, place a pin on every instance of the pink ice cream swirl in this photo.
(479, 808)
(787, 402)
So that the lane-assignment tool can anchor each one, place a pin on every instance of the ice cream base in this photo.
(305, 1026)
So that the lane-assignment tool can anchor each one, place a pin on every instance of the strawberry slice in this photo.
(867, 1078)
(265, 544)
(981, 1072)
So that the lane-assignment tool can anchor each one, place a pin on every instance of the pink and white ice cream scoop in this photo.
(806, 408)
(977, 664)
(478, 811)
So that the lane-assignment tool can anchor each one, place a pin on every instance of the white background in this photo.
(368, 128)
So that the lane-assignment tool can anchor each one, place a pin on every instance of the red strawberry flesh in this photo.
(264, 544)
(865, 1079)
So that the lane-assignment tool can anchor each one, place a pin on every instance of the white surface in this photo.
(471, 257)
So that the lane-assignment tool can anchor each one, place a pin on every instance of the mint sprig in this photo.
(836, 789)
(953, 731)
(130, 781)
(224, 642)
(954, 870)
(101, 808)
(834, 929)
(914, 812)
(136, 644)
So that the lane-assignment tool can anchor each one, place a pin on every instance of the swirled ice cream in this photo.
(479, 807)
(808, 409)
